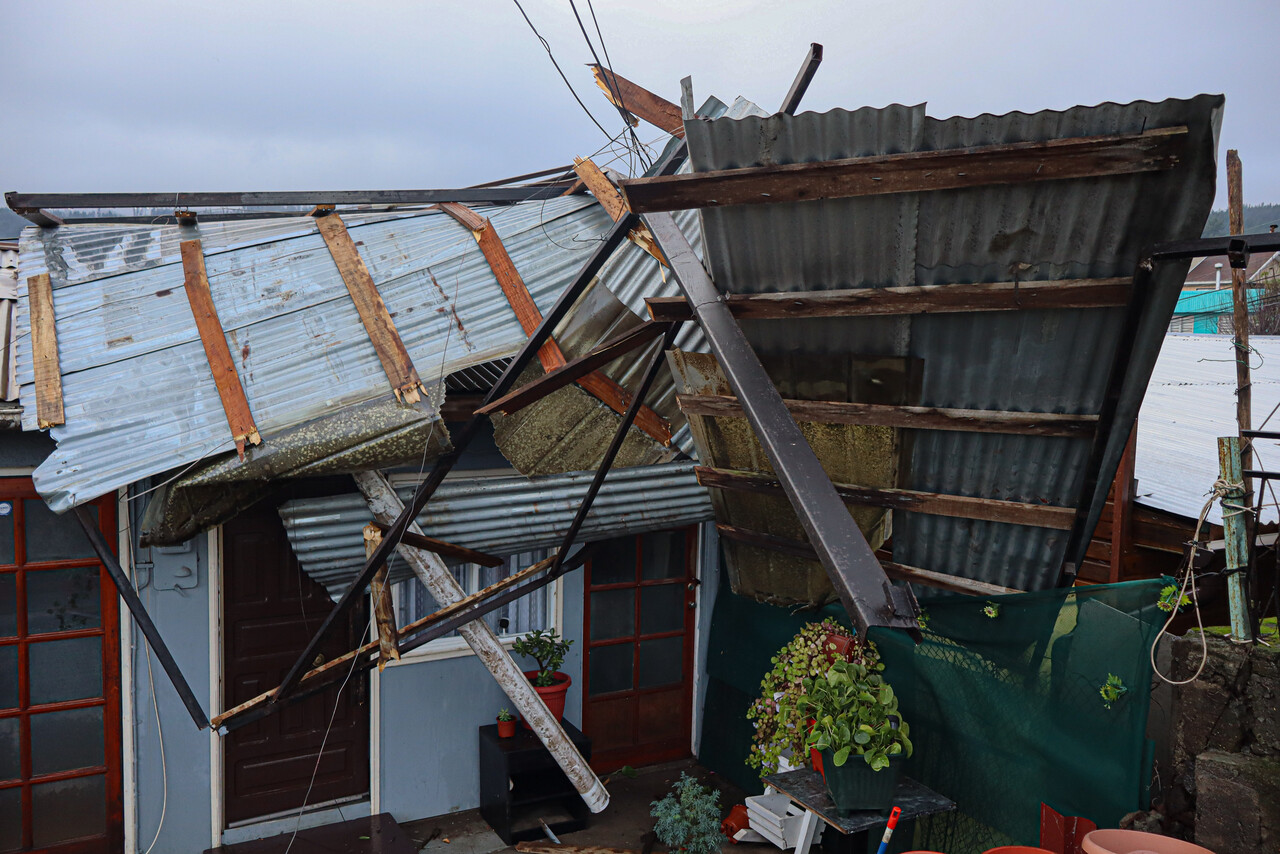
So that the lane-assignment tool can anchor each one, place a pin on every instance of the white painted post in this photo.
(433, 573)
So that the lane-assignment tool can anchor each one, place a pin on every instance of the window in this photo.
(537, 610)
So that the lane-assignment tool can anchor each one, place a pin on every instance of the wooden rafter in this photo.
(214, 339)
(909, 417)
(443, 548)
(639, 101)
(917, 171)
(923, 299)
(599, 185)
(915, 501)
(44, 352)
(384, 614)
(550, 355)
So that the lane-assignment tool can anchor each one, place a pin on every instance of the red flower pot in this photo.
(506, 729)
(553, 695)
(843, 647)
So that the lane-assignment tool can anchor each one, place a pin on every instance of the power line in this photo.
(572, 91)
(621, 105)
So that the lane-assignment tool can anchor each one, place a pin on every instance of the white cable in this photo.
(164, 769)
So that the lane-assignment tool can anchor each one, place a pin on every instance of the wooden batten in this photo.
(913, 172)
(384, 613)
(922, 299)
(44, 352)
(639, 101)
(914, 501)
(907, 417)
(443, 548)
(373, 311)
(216, 351)
(599, 185)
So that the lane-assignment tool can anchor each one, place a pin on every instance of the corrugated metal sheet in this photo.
(1031, 361)
(1190, 402)
(499, 515)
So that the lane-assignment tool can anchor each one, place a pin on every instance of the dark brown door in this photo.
(270, 610)
(60, 786)
(639, 631)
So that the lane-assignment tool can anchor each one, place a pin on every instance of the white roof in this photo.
(1190, 402)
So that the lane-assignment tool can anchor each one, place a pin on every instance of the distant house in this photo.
(1209, 311)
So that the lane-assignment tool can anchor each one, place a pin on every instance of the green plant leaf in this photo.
(841, 756)
(861, 737)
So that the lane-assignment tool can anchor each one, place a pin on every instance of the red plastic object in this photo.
(1062, 834)
(735, 821)
(553, 695)
(1017, 849)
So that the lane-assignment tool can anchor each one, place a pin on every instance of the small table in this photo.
(521, 783)
(809, 790)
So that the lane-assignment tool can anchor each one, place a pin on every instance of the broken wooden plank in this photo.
(914, 501)
(896, 571)
(610, 199)
(639, 101)
(907, 417)
(218, 354)
(441, 547)
(373, 311)
(579, 367)
(913, 172)
(44, 352)
(504, 270)
(384, 615)
(923, 299)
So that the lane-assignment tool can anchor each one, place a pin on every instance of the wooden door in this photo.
(270, 610)
(60, 785)
(639, 631)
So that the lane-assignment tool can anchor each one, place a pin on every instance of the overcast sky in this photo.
(143, 96)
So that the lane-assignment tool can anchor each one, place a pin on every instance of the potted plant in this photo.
(859, 732)
(689, 818)
(780, 732)
(506, 724)
(548, 649)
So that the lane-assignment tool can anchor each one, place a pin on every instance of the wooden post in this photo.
(383, 610)
(1235, 531)
(1240, 319)
(432, 572)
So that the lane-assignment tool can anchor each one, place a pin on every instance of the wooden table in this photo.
(809, 790)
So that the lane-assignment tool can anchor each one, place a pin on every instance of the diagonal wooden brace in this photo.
(383, 611)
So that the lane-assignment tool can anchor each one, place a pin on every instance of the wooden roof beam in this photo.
(639, 101)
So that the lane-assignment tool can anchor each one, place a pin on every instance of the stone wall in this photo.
(1225, 791)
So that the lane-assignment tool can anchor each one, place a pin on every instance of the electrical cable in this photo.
(621, 105)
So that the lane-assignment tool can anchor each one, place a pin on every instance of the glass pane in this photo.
(53, 537)
(69, 809)
(613, 614)
(10, 819)
(614, 562)
(60, 600)
(65, 670)
(610, 668)
(62, 741)
(661, 661)
(9, 676)
(661, 609)
(6, 532)
(662, 555)
(8, 604)
(10, 758)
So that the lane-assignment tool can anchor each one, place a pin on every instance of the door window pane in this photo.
(9, 676)
(613, 614)
(661, 608)
(65, 670)
(610, 668)
(53, 537)
(8, 604)
(661, 661)
(62, 741)
(10, 769)
(662, 555)
(69, 809)
(6, 531)
(614, 562)
(60, 600)
(10, 819)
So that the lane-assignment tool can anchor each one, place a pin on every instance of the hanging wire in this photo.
(621, 105)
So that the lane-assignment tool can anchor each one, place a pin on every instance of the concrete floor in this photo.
(622, 825)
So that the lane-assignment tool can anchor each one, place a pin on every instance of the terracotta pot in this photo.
(1136, 842)
(553, 695)
(506, 729)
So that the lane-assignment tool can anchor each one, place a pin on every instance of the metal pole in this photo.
(1235, 530)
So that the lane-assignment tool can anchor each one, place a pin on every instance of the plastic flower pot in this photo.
(1017, 849)
(843, 647)
(1136, 842)
(506, 729)
(854, 786)
(553, 695)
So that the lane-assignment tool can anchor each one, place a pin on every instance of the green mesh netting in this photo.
(1005, 711)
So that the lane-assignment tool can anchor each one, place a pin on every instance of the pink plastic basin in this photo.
(1136, 842)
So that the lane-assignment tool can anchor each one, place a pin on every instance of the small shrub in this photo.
(548, 649)
(505, 715)
(688, 818)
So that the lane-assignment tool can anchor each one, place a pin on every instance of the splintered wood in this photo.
(44, 352)
(216, 351)
(609, 197)
(384, 613)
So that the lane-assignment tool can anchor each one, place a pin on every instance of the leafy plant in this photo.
(808, 654)
(689, 817)
(855, 713)
(505, 715)
(1169, 599)
(548, 649)
(1112, 690)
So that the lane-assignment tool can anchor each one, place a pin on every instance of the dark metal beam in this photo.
(801, 84)
(1178, 250)
(862, 585)
(140, 616)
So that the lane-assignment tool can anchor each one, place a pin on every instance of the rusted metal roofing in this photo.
(1046, 361)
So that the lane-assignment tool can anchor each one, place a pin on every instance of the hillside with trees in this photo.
(1257, 219)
